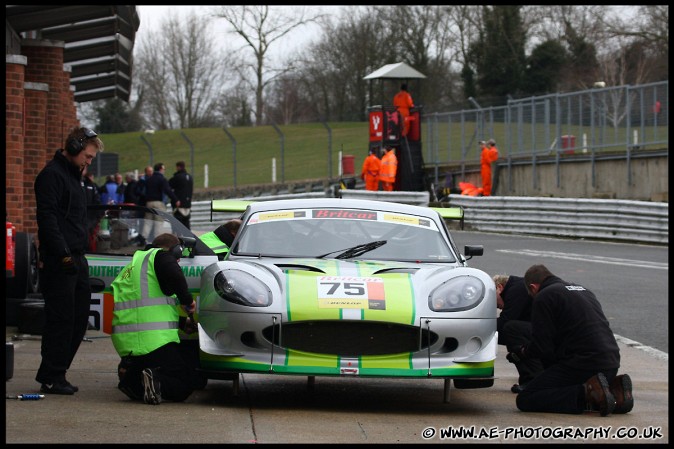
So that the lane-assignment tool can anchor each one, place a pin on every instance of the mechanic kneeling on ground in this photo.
(571, 335)
(514, 324)
(145, 324)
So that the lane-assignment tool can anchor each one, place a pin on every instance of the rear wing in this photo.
(229, 206)
(450, 213)
(447, 213)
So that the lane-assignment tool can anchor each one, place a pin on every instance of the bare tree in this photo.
(260, 26)
(645, 26)
(180, 74)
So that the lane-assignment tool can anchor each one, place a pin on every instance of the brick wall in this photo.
(41, 112)
(36, 95)
(14, 112)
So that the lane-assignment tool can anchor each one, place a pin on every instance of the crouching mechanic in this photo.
(581, 357)
(220, 239)
(145, 324)
(514, 324)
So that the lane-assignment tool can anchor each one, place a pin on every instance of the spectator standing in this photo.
(572, 336)
(109, 190)
(93, 197)
(182, 184)
(389, 169)
(141, 187)
(514, 324)
(488, 155)
(64, 274)
(370, 171)
(130, 189)
(145, 322)
(156, 187)
(403, 102)
(121, 187)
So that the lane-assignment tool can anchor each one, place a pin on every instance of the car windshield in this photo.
(121, 230)
(334, 233)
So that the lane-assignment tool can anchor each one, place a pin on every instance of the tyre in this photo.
(12, 310)
(9, 360)
(31, 318)
(26, 273)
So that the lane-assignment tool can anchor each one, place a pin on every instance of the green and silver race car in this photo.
(347, 287)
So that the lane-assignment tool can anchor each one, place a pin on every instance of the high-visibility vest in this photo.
(213, 242)
(143, 318)
(389, 167)
(371, 166)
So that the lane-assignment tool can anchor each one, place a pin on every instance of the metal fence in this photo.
(613, 119)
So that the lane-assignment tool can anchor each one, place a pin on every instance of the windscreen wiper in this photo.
(355, 251)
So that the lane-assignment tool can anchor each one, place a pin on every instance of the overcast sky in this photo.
(152, 15)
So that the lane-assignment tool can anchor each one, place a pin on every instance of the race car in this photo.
(347, 287)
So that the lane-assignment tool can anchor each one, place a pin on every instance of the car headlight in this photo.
(459, 293)
(242, 288)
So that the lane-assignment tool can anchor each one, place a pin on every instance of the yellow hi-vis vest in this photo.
(144, 318)
(213, 242)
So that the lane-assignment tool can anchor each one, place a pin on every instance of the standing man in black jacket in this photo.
(572, 336)
(130, 189)
(182, 184)
(514, 324)
(156, 187)
(64, 275)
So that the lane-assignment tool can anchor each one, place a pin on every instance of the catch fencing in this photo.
(622, 119)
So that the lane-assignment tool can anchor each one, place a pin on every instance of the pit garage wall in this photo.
(39, 113)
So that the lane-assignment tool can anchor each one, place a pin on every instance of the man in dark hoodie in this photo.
(63, 236)
(572, 336)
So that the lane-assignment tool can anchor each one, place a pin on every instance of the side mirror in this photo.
(189, 243)
(473, 250)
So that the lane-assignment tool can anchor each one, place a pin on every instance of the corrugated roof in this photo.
(98, 40)
(399, 70)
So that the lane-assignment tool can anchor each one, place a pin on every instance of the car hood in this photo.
(333, 289)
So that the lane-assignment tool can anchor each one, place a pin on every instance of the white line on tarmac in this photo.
(586, 258)
(635, 344)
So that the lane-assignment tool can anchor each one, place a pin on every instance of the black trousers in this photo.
(67, 299)
(558, 389)
(184, 219)
(175, 374)
(517, 333)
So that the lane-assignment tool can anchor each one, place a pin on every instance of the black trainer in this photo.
(57, 387)
(129, 392)
(152, 394)
(74, 387)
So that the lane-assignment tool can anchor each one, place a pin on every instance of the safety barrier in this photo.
(616, 220)
(597, 219)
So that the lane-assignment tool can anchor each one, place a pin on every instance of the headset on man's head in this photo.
(74, 145)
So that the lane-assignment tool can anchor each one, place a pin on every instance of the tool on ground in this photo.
(27, 397)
